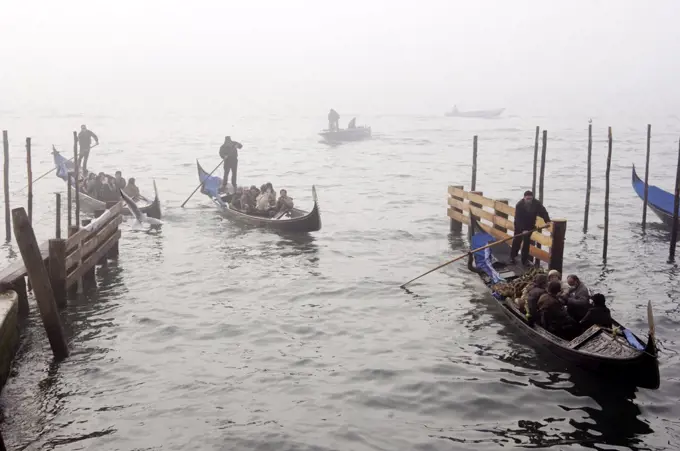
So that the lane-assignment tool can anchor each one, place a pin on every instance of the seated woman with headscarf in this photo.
(131, 189)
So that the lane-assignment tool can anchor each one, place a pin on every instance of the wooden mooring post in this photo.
(455, 226)
(605, 241)
(473, 185)
(588, 176)
(676, 207)
(42, 288)
(30, 179)
(76, 165)
(68, 202)
(533, 183)
(542, 175)
(646, 198)
(57, 231)
(8, 218)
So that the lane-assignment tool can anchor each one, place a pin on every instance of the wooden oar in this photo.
(201, 184)
(528, 232)
(50, 171)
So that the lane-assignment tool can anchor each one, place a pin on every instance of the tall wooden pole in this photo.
(30, 180)
(533, 183)
(8, 218)
(542, 175)
(606, 199)
(69, 201)
(588, 177)
(57, 231)
(644, 204)
(473, 185)
(676, 207)
(77, 178)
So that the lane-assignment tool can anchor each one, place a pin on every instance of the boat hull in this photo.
(665, 213)
(349, 134)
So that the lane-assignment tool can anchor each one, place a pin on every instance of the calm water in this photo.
(207, 335)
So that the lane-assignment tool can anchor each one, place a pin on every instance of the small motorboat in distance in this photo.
(659, 201)
(351, 133)
(293, 220)
(484, 114)
(151, 208)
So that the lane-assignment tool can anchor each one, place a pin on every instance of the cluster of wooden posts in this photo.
(457, 207)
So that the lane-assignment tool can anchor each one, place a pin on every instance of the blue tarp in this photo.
(663, 200)
(484, 259)
(211, 184)
(63, 166)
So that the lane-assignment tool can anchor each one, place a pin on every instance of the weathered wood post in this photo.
(8, 225)
(676, 207)
(113, 253)
(42, 289)
(473, 185)
(104, 260)
(72, 230)
(502, 215)
(57, 232)
(606, 199)
(477, 205)
(644, 201)
(57, 270)
(557, 249)
(69, 201)
(588, 177)
(543, 152)
(30, 180)
(76, 165)
(456, 226)
(533, 183)
(89, 274)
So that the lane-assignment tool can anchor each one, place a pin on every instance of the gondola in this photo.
(482, 114)
(293, 221)
(659, 201)
(347, 134)
(616, 354)
(151, 208)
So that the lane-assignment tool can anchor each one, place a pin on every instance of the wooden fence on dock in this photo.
(496, 218)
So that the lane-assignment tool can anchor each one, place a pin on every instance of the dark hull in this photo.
(595, 350)
(350, 134)
(665, 216)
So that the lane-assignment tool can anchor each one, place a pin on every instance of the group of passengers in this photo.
(262, 202)
(564, 309)
(104, 187)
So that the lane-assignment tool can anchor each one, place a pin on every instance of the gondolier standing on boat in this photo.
(526, 212)
(229, 153)
(333, 121)
(85, 142)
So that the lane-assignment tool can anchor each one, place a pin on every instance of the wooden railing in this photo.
(496, 217)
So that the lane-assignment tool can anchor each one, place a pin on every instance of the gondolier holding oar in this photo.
(229, 153)
(526, 212)
(85, 143)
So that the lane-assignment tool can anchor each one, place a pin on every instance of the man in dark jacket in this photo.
(333, 121)
(85, 142)
(229, 153)
(526, 212)
(553, 316)
(598, 314)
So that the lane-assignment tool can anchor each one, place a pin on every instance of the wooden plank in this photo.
(455, 203)
(478, 212)
(94, 226)
(78, 273)
(457, 192)
(505, 208)
(453, 214)
(540, 238)
(533, 251)
(17, 269)
(92, 242)
(481, 200)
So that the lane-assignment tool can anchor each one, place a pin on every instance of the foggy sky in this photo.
(371, 56)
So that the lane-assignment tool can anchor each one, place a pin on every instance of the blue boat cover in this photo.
(63, 166)
(211, 184)
(632, 340)
(663, 200)
(484, 259)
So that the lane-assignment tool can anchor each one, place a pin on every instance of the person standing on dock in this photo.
(333, 121)
(229, 153)
(526, 212)
(85, 142)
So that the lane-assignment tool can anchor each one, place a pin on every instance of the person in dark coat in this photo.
(229, 153)
(333, 121)
(577, 298)
(540, 285)
(553, 316)
(85, 143)
(526, 212)
(598, 313)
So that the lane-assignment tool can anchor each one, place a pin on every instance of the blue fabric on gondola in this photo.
(661, 199)
(632, 340)
(484, 258)
(211, 185)
(63, 166)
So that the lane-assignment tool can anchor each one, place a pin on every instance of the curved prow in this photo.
(651, 341)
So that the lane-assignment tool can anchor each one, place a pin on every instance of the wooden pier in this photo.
(496, 218)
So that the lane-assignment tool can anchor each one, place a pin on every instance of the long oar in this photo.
(528, 232)
(201, 184)
(50, 171)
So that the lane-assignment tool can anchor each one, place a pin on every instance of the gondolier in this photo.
(85, 142)
(333, 120)
(229, 153)
(526, 212)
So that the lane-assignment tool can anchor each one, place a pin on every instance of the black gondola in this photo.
(152, 208)
(614, 353)
(659, 201)
(294, 221)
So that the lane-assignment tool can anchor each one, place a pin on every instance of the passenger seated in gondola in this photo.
(553, 316)
(555, 275)
(249, 198)
(131, 189)
(536, 289)
(577, 299)
(284, 203)
(352, 123)
(120, 181)
(108, 191)
(236, 198)
(91, 185)
(598, 313)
